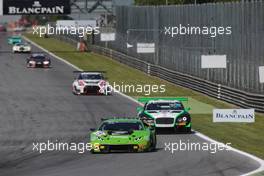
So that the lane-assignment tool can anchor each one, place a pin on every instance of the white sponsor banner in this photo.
(86, 23)
(1, 7)
(65, 23)
(76, 23)
(234, 115)
(261, 74)
(213, 61)
(145, 47)
(107, 37)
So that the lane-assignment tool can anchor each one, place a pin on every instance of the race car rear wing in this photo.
(95, 71)
(146, 99)
(110, 118)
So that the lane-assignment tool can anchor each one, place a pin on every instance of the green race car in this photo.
(14, 40)
(167, 113)
(123, 134)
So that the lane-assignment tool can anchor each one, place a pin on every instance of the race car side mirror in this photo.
(92, 129)
(139, 109)
(188, 109)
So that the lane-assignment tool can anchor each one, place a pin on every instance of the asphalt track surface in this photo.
(37, 105)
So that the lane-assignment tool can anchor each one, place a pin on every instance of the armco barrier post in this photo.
(148, 71)
(219, 91)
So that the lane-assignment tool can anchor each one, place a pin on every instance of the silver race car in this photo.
(90, 82)
(21, 48)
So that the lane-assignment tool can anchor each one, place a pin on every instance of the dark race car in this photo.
(38, 60)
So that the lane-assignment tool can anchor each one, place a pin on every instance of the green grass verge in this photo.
(246, 137)
(259, 174)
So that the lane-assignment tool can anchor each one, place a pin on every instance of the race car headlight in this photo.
(32, 62)
(184, 119)
(81, 83)
(27, 48)
(148, 121)
(46, 62)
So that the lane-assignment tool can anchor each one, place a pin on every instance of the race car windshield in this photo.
(21, 44)
(121, 126)
(165, 106)
(90, 76)
(38, 58)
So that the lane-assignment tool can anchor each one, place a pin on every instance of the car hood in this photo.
(91, 81)
(160, 114)
(16, 39)
(121, 137)
(22, 46)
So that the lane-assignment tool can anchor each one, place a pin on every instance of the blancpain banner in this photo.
(27, 7)
(234, 115)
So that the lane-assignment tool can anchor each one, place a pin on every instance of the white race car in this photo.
(21, 48)
(165, 113)
(88, 82)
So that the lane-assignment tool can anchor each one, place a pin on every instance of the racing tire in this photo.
(152, 146)
(74, 91)
(188, 130)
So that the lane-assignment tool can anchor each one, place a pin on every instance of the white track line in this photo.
(259, 160)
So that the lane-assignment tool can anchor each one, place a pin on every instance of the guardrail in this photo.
(221, 92)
